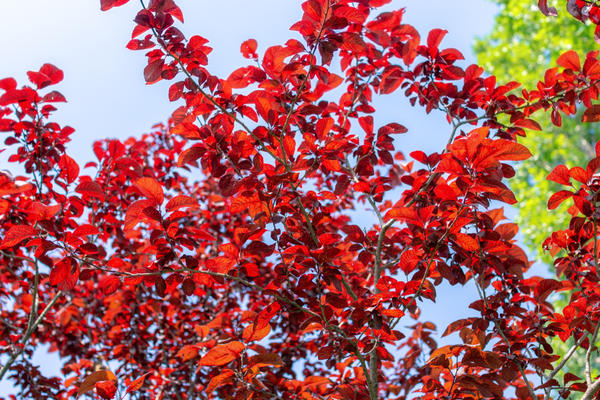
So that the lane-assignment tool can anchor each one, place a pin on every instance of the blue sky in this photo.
(107, 95)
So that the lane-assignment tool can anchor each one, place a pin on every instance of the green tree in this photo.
(520, 47)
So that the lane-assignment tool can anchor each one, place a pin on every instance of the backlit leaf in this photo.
(560, 174)
(253, 332)
(222, 354)
(557, 198)
(93, 378)
(224, 378)
(248, 48)
(16, 234)
(569, 60)
(181, 201)
(137, 384)
(90, 189)
(151, 189)
(106, 389)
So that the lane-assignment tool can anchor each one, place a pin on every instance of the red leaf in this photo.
(153, 71)
(435, 37)
(61, 272)
(569, 60)
(55, 74)
(578, 174)
(592, 114)
(40, 212)
(54, 97)
(557, 198)
(175, 91)
(391, 128)
(181, 201)
(393, 313)
(151, 189)
(507, 231)
(391, 79)
(70, 169)
(135, 213)
(592, 166)
(222, 354)
(137, 384)
(190, 155)
(352, 42)
(570, 377)
(560, 174)
(109, 284)
(466, 242)
(47, 75)
(108, 4)
(265, 316)
(224, 378)
(137, 44)
(90, 189)
(16, 234)
(511, 151)
(367, 124)
(7, 84)
(289, 146)
(106, 389)
(187, 352)
(91, 380)
(253, 333)
(265, 360)
(85, 230)
(528, 124)
(456, 326)
(221, 265)
(248, 48)
(547, 11)
(545, 287)
(323, 127)
(332, 165)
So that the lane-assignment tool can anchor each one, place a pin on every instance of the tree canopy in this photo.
(217, 257)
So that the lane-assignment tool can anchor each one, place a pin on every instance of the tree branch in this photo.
(30, 330)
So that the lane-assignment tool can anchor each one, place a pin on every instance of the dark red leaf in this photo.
(54, 97)
(548, 11)
(592, 114)
(108, 4)
(153, 71)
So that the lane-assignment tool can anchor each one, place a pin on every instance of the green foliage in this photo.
(521, 46)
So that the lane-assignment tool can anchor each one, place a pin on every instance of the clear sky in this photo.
(107, 95)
